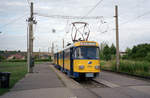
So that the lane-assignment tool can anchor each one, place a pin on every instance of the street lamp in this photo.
(53, 31)
(57, 48)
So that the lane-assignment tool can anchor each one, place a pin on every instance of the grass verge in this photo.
(139, 68)
(18, 71)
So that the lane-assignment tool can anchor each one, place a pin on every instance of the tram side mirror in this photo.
(80, 39)
(68, 44)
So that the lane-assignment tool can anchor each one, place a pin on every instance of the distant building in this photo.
(16, 56)
(41, 55)
(123, 53)
(23, 55)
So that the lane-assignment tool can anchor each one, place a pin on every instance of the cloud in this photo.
(131, 33)
(13, 41)
(15, 3)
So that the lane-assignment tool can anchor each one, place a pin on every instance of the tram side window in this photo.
(67, 54)
(61, 55)
(77, 53)
(55, 56)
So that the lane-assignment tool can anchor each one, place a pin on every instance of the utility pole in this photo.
(30, 59)
(52, 51)
(39, 53)
(48, 50)
(63, 44)
(53, 48)
(57, 48)
(117, 38)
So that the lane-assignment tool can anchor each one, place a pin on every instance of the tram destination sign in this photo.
(88, 43)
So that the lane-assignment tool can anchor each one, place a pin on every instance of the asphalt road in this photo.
(122, 86)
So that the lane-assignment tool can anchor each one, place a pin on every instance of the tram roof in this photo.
(81, 43)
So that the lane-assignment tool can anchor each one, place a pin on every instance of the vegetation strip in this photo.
(134, 61)
(134, 68)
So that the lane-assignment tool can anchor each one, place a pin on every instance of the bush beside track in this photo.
(136, 68)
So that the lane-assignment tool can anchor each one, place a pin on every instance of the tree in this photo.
(128, 53)
(113, 49)
(14, 58)
(1, 52)
(102, 45)
(49, 57)
(107, 53)
(148, 57)
(138, 52)
(1, 58)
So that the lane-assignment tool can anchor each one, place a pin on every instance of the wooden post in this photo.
(117, 38)
(30, 46)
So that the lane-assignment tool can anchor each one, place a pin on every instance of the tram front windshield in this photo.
(85, 52)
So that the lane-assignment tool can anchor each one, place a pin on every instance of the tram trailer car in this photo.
(79, 60)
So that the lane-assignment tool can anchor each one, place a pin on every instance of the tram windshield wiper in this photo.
(90, 57)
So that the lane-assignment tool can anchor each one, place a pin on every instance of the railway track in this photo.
(91, 83)
(88, 85)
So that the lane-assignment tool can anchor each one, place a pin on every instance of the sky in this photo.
(134, 22)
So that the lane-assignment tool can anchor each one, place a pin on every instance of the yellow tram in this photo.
(79, 60)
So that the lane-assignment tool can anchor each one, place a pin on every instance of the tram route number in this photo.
(73, 97)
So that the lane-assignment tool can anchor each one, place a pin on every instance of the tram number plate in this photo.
(89, 75)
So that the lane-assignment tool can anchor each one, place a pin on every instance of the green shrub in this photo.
(148, 57)
(15, 60)
(133, 67)
(43, 60)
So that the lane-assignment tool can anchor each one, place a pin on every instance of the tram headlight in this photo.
(97, 67)
(81, 67)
